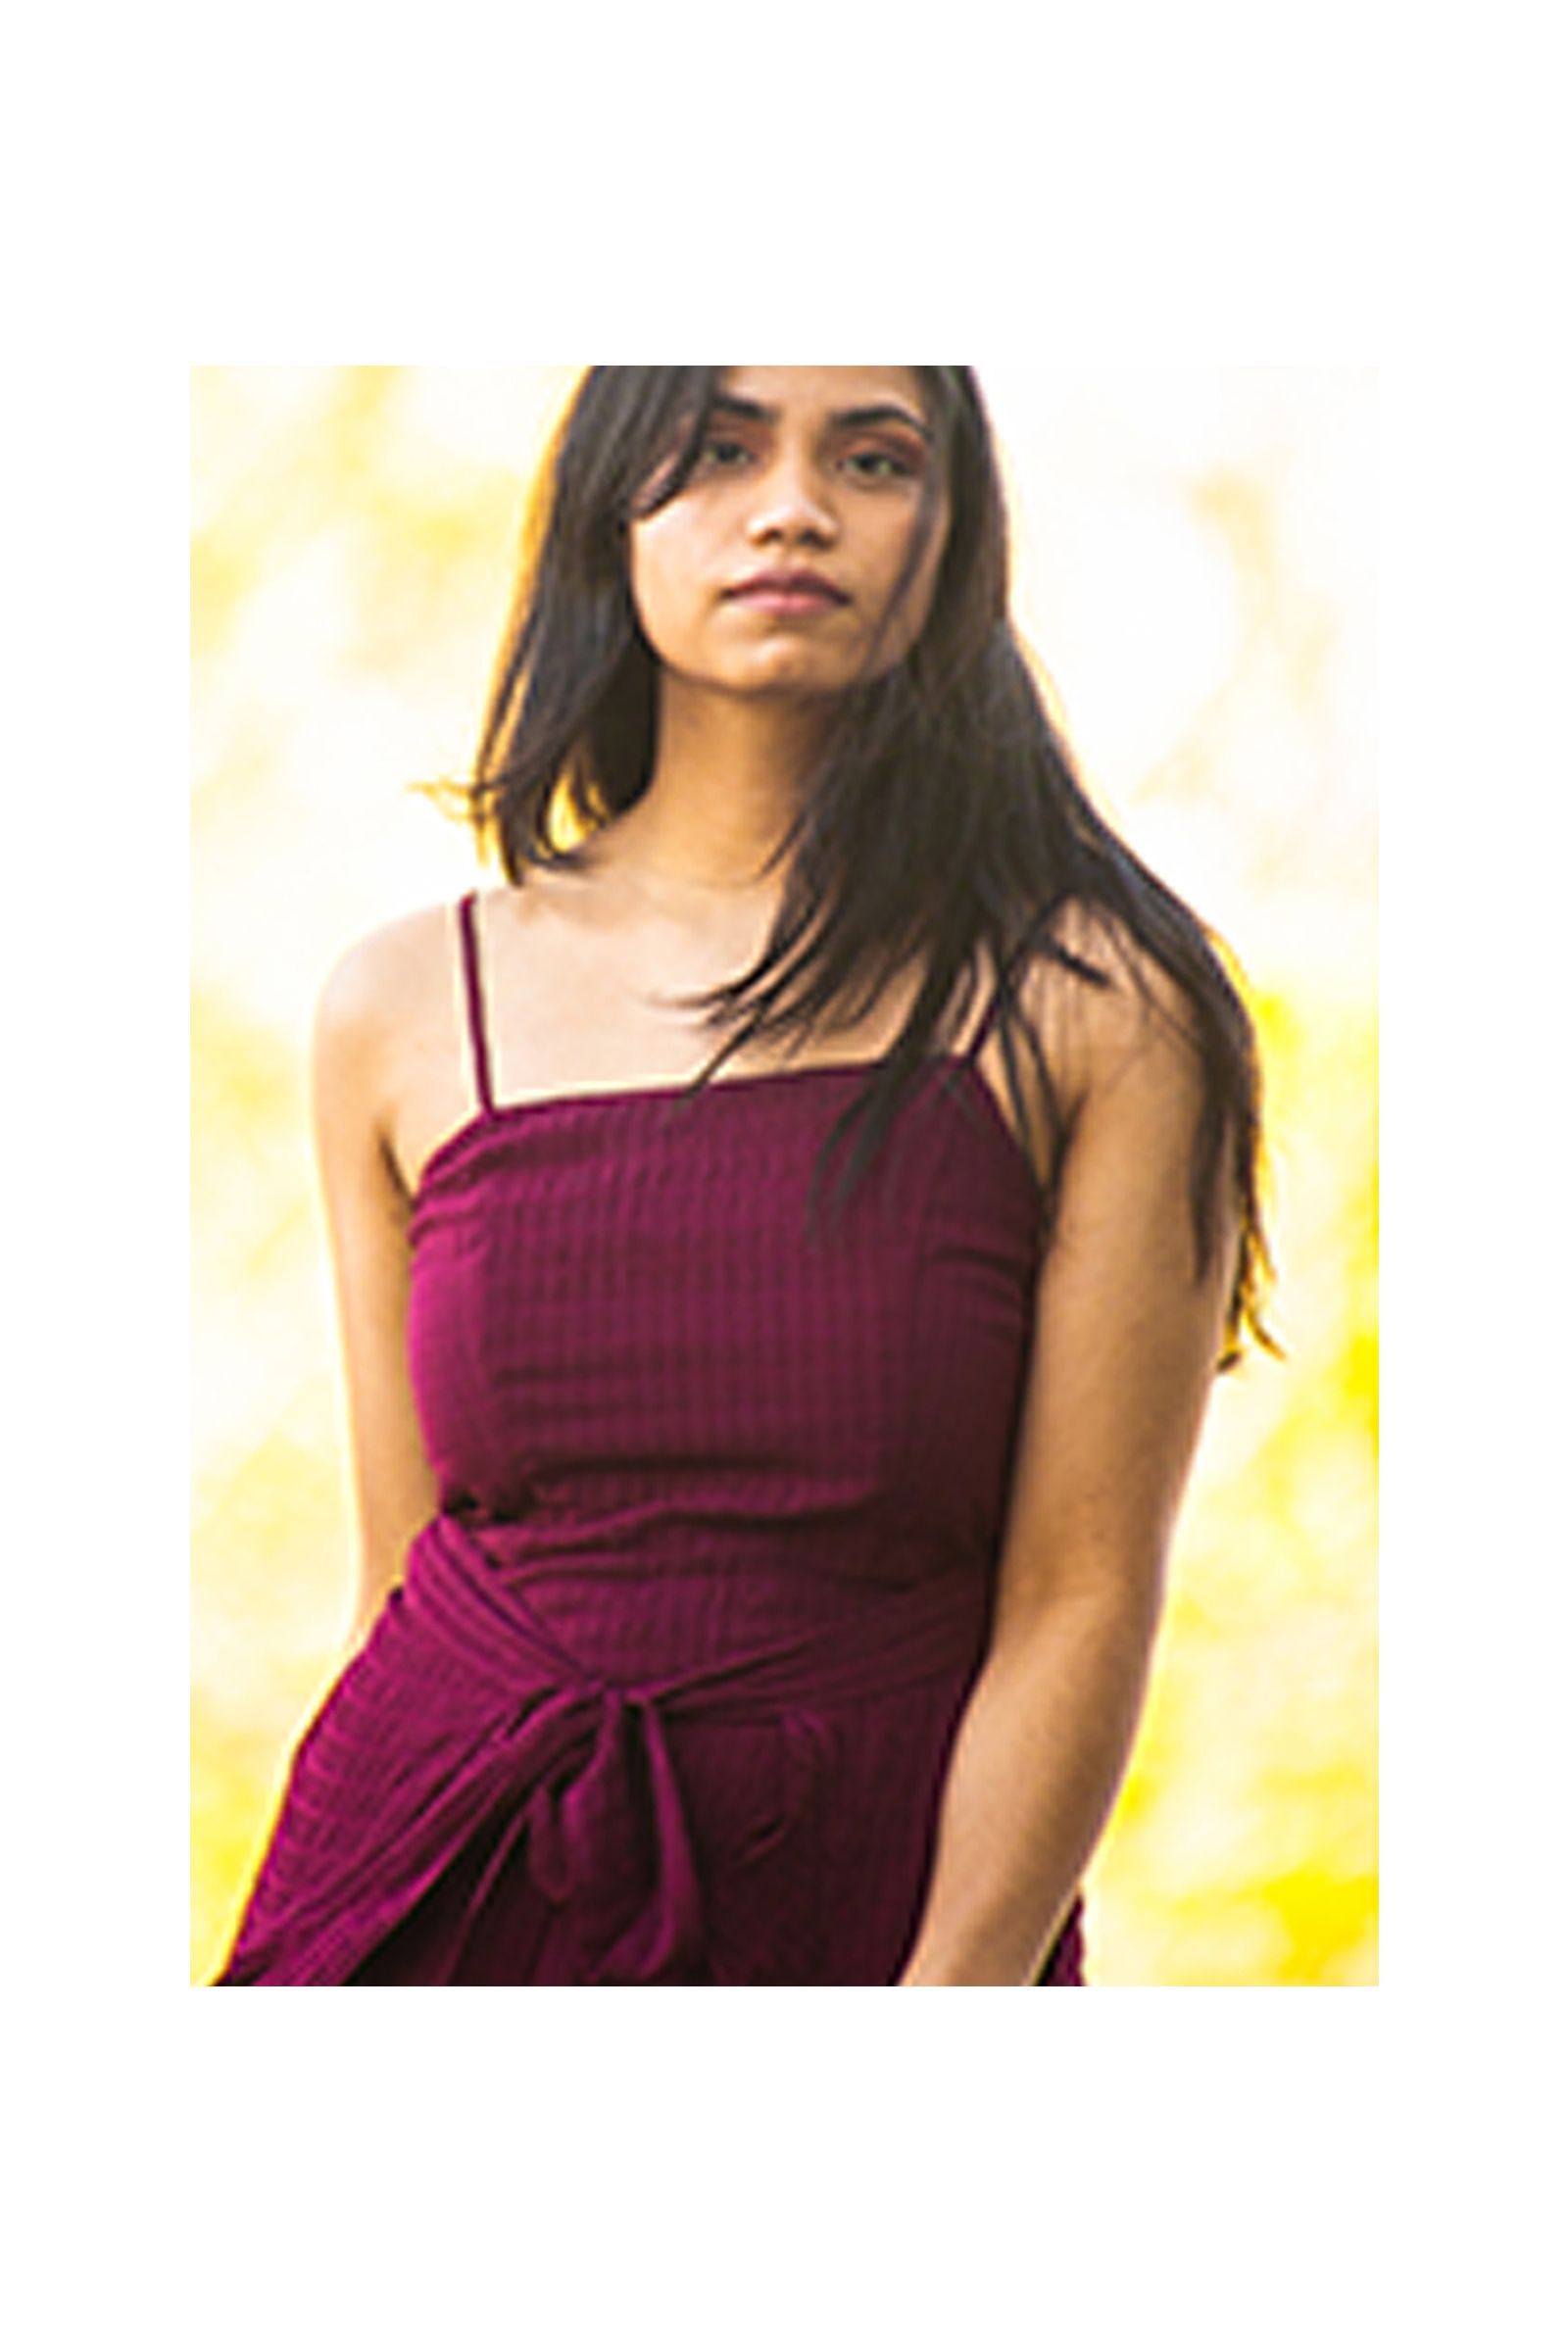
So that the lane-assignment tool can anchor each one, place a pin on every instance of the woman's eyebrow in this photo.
(885, 412)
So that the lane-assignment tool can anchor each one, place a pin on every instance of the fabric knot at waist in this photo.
(466, 1727)
(578, 1769)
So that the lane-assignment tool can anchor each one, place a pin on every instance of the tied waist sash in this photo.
(572, 1775)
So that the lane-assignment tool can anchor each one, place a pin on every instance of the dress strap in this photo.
(988, 1021)
(473, 987)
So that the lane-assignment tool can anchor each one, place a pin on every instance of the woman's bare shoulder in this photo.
(1109, 1009)
(387, 1009)
(397, 970)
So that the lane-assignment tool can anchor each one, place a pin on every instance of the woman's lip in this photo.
(782, 592)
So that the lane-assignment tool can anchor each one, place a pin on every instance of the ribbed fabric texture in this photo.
(668, 1690)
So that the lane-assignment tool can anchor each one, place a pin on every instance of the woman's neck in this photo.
(725, 789)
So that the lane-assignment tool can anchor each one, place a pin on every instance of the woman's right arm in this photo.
(366, 1209)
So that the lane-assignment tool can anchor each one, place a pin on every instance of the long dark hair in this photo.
(943, 829)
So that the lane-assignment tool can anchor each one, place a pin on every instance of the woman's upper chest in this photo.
(556, 992)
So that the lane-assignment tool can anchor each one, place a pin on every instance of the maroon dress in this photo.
(668, 1688)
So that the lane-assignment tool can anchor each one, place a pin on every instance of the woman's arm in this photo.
(367, 1216)
(1127, 1338)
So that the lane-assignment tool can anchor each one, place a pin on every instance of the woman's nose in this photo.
(792, 503)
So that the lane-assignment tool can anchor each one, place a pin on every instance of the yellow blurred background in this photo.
(1196, 557)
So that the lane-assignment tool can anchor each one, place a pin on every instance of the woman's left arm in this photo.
(1126, 1341)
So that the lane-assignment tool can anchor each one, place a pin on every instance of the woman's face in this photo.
(774, 570)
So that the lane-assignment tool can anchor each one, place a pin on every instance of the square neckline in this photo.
(495, 1117)
(491, 1114)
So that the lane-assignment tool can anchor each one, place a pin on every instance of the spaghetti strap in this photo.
(473, 988)
(988, 1021)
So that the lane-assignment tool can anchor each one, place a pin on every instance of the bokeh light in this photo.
(1196, 569)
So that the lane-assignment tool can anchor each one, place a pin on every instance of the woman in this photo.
(783, 1236)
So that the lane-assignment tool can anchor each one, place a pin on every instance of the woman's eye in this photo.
(722, 453)
(880, 465)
